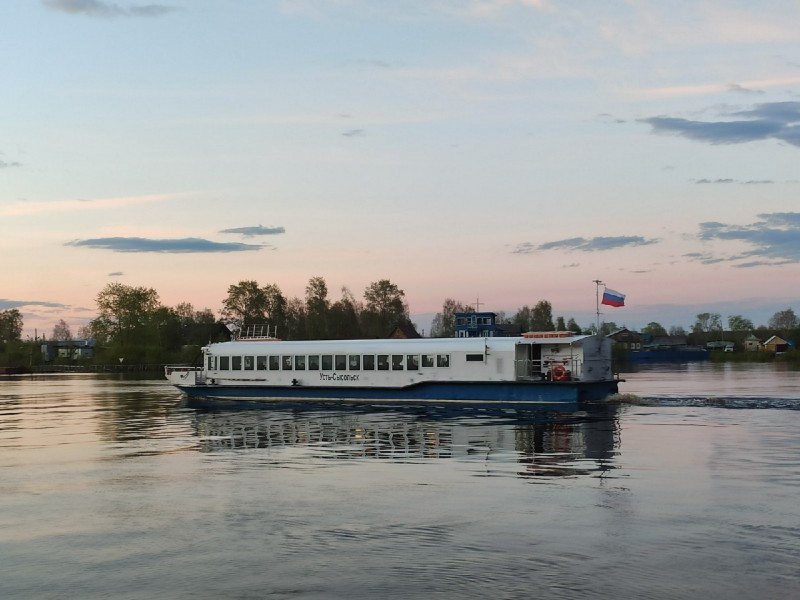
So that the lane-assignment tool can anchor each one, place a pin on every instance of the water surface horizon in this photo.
(117, 487)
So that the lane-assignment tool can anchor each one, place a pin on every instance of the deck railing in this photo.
(536, 370)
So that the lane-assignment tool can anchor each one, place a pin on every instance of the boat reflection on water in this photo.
(541, 443)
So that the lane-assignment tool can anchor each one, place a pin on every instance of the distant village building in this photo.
(666, 342)
(627, 339)
(719, 345)
(483, 324)
(776, 344)
(69, 349)
(752, 343)
(475, 324)
(404, 331)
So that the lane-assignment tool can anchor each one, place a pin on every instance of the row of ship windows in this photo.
(329, 362)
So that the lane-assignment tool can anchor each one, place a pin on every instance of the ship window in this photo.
(340, 362)
(427, 360)
(383, 362)
(212, 363)
(313, 362)
(369, 362)
(224, 363)
(327, 362)
(236, 363)
(474, 357)
(461, 321)
(354, 362)
(249, 363)
(397, 362)
(286, 363)
(442, 360)
(300, 362)
(274, 363)
(261, 363)
(412, 362)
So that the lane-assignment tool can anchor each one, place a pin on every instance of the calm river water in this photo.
(114, 488)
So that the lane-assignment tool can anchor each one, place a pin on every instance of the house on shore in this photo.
(404, 331)
(627, 339)
(776, 344)
(483, 324)
(752, 343)
(68, 349)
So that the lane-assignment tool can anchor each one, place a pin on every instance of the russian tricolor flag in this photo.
(612, 298)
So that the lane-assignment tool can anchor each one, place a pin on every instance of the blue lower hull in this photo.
(488, 393)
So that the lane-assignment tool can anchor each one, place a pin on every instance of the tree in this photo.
(522, 318)
(444, 323)
(123, 312)
(10, 326)
(295, 323)
(739, 323)
(707, 322)
(384, 308)
(560, 324)
(61, 331)
(573, 326)
(184, 326)
(276, 306)
(654, 329)
(542, 316)
(345, 317)
(246, 303)
(607, 327)
(317, 308)
(184, 312)
(783, 321)
(677, 330)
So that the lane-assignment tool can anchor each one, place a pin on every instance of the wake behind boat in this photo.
(537, 367)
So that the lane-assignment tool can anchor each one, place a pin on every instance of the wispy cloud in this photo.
(9, 304)
(174, 246)
(775, 240)
(257, 230)
(703, 89)
(50, 207)
(8, 165)
(740, 89)
(728, 180)
(582, 244)
(97, 8)
(771, 120)
(353, 133)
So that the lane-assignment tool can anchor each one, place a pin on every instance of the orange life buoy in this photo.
(559, 373)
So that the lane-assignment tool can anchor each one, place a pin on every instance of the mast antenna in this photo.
(598, 283)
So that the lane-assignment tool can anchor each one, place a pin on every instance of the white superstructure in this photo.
(395, 363)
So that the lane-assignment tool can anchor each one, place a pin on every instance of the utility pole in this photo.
(598, 283)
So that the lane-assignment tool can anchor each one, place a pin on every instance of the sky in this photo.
(493, 151)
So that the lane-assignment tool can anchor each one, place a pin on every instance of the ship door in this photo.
(528, 359)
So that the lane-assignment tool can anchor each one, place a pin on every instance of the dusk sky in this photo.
(507, 150)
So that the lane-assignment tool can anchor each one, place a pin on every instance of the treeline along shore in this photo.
(134, 331)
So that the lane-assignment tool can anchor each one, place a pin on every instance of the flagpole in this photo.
(598, 283)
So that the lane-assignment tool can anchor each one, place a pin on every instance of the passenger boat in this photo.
(537, 367)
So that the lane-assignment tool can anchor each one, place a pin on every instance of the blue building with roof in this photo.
(482, 324)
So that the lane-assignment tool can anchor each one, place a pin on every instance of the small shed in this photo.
(752, 343)
(776, 344)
